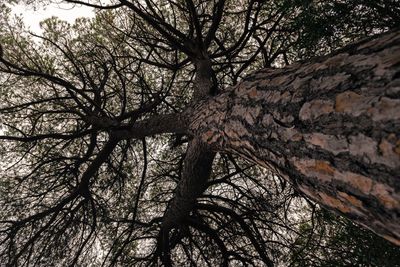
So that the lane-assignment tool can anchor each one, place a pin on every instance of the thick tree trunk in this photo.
(197, 167)
(331, 126)
(198, 160)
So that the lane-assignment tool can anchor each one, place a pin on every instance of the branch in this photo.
(166, 33)
(196, 22)
(215, 23)
(45, 136)
(93, 5)
(159, 124)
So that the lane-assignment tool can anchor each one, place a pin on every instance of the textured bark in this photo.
(198, 160)
(197, 167)
(165, 123)
(331, 126)
(195, 174)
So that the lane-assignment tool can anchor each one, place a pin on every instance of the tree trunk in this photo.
(197, 167)
(198, 160)
(330, 126)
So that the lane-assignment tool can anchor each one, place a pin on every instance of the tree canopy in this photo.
(96, 168)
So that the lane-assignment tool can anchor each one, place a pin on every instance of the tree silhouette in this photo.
(110, 149)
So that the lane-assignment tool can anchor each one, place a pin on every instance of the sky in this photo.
(67, 12)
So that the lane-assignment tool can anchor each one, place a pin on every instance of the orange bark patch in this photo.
(314, 109)
(361, 182)
(353, 200)
(345, 101)
(253, 93)
(334, 203)
(324, 171)
(315, 168)
(324, 167)
(357, 181)
(386, 196)
(385, 147)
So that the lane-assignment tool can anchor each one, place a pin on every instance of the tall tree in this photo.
(112, 129)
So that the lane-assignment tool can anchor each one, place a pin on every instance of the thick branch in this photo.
(331, 126)
(174, 36)
(159, 124)
(195, 174)
(196, 168)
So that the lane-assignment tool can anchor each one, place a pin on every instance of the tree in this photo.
(301, 120)
(88, 148)
(334, 241)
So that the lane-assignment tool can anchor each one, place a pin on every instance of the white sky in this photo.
(67, 12)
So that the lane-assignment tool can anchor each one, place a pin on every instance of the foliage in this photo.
(331, 240)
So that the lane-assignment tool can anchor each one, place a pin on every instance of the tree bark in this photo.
(197, 168)
(330, 126)
(198, 160)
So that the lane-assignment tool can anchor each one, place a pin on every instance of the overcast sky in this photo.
(67, 12)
